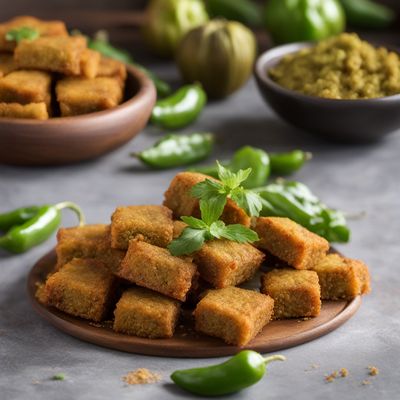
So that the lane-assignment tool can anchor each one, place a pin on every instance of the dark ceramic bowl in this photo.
(72, 139)
(353, 121)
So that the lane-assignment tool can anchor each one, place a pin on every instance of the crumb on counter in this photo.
(141, 376)
(331, 377)
(344, 372)
(373, 371)
(366, 382)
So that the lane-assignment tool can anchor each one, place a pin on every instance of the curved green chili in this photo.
(288, 163)
(245, 157)
(39, 228)
(368, 14)
(241, 371)
(179, 109)
(17, 217)
(295, 201)
(176, 150)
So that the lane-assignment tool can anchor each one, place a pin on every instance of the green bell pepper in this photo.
(303, 20)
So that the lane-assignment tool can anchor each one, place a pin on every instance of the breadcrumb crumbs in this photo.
(373, 371)
(366, 382)
(141, 376)
(331, 377)
(344, 372)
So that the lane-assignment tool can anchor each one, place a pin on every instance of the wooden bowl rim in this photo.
(145, 84)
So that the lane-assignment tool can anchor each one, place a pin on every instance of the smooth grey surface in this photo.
(354, 179)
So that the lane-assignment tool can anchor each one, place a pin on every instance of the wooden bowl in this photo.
(352, 121)
(72, 139)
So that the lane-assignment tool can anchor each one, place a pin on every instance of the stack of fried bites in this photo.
(128, 267)
(45, 73)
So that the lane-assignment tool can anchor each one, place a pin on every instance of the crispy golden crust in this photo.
(152, 224)
(296, 293)
(225, 263)
(25, 87)
(112, 69)
(28, 111)
(141, 312)
(179, 227)
(90, 60)
(7, 64)
(88, 241)
(56, 54)
(83, 287)
(342, 278)
(79, 96)
(45, 28)
(233, 314)
(155, 268)
(180, 201)
(290, 242)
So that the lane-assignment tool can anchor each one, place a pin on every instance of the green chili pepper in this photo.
(176, 150)
(257, 160)
(245, 157)
(36, 230)
(295, 201)
(17, 217)
(239, 372)
(179, 109)
(300, 20)
(106, 49)
(245, 11)
(287, 163)
(368, 14)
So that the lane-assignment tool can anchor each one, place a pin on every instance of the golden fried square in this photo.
(90, 60)
(111, 68)
(233, 314)
(78, 96)
(56, 54)
(45, 28)
(26, 87)
(296, 293)
(27, 111)
(142, 312)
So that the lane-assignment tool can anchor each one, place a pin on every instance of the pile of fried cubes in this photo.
(54, 74)
(126, 268)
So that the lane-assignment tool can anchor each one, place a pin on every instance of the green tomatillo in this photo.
(220, 55)
(167, 22)
(303, 20)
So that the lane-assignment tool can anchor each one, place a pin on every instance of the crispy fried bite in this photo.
(88, 241)
(179, 199)
(225, 263)
(79, 96)
(7, 64)
(142, 312)
(155, 268)
(25, 87)
(60, 54)
(27, 111)
(290, 242)
(83, 287)
(111, 68)
(296, 293)
(233, 314)
(342, 278)
(90, 60)
(45, 28)
(152, 224)
(179, 227)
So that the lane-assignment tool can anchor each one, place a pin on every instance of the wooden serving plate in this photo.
(276, 335)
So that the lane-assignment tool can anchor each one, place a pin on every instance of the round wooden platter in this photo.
(186, 342)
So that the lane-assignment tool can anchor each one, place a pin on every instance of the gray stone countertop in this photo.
(352, 178)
